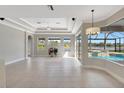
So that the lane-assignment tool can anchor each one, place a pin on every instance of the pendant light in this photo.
(92, 30)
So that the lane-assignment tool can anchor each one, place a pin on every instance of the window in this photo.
(54, 41)
(67, 43)
(41, 43)
(108, 46)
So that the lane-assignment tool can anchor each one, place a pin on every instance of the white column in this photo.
(2, 74)
(35, 45)
(47, 44)
(73, 46)
(62, 46)
(32, 48)
(84, 45)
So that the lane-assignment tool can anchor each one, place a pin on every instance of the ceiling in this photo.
(117, 26)
(118, 23)
(39, 18)
(50, 24)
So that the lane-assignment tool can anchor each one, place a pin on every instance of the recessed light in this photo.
(73, 19)
(2, 18)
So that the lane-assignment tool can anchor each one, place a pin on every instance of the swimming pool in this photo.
(117, 57)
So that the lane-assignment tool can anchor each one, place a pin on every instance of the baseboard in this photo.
(14, 61)
(120, 79)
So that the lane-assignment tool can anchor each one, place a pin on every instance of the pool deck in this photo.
(116, 53)
(110, 53)
(120, 62)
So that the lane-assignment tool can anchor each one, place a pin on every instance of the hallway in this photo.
(56, 72)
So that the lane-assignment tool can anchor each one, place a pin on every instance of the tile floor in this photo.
(46, 72)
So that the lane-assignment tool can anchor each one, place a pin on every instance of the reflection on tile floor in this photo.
(46, 72)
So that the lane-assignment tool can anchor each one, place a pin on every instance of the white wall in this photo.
(2, 74)
(11, 44)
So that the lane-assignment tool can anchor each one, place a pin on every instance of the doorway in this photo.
(55, 42)
(67, 46)
(29, 46)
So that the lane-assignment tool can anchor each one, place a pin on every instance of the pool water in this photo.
(112, 58)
